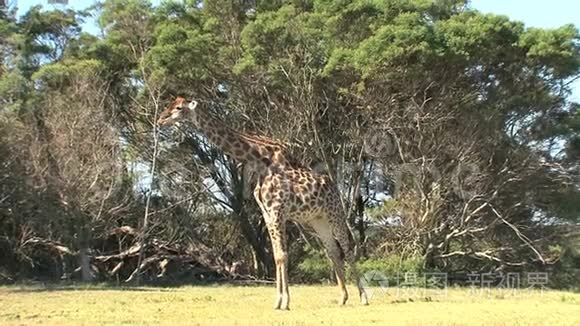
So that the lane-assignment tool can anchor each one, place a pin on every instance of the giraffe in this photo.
(284, 192)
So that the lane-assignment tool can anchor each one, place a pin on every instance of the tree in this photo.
(450, 132)
(448, 83)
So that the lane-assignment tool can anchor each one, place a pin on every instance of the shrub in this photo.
(394, 268)
(314, 267)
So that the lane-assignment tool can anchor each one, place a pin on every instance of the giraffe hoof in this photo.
(278, 304)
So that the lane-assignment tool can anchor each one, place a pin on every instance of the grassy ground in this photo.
(238, 305)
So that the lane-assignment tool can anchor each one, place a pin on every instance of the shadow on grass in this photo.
(77, 288)
(38, 287)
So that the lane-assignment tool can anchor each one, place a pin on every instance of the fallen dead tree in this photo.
(33, 258)
(162, 262)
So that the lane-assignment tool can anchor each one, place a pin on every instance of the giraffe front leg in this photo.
(278, 300)
(273, 235)
(277, 230)
(285, 291)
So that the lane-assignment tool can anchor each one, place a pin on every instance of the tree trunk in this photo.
(260, 257)
(258, 249)
(84, 258)
(360, 225)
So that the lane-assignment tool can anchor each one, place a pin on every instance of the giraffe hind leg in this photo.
(337, 257)
(335, 254)
(347, 244)
(356, 278)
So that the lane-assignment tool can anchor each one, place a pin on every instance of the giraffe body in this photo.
(283, 192)
(313, 201)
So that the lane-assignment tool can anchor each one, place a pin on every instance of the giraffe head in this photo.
(179, 109)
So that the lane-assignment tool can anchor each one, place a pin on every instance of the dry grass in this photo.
(238, 305)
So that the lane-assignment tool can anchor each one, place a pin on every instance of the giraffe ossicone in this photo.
(284, 192)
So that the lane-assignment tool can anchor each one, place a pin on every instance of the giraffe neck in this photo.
(238, 146)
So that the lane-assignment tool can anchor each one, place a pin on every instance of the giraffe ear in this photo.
(192, 105)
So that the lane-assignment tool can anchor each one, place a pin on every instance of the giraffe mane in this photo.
(253, 138)
(267, 141)
(262, 140)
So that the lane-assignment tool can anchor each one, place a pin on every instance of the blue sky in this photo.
(534, 13)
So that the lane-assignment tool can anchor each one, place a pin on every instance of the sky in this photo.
(534, 13)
